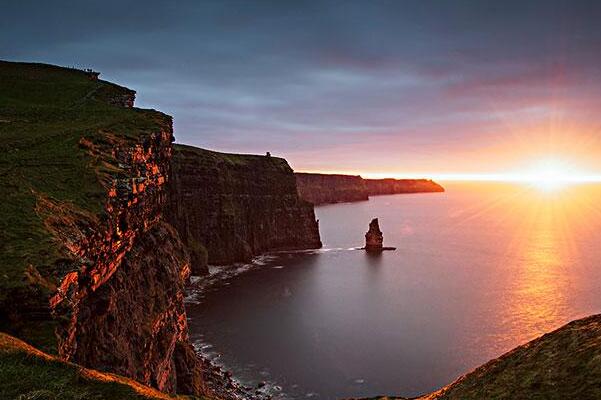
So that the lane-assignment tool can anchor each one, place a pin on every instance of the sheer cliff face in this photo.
(92, 257)
(230, 207)
(326, 188)
(122, 305)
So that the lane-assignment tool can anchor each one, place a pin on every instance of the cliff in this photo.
(332, 188)
(398, 186)
(327, 188)
(90, 271)
(563, 364)
(231, 207)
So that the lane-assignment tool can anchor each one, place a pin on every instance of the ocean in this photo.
(478, 270)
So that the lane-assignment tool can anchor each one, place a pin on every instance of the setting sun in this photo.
(552, 174)
(549, 175)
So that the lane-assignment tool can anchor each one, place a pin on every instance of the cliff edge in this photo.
(230, 207)
(89, 269)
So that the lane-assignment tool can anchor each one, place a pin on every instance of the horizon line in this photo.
(467, 177)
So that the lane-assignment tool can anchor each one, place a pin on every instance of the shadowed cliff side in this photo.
(563, 364)
(330, 188)
(231, 207)
(89, 269)
(377, 187)
(334, 188)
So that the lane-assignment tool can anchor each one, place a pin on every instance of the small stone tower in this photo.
(373, 238)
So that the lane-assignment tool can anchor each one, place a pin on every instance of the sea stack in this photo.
(374, 239)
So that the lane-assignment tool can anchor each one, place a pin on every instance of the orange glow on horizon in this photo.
(546, 174)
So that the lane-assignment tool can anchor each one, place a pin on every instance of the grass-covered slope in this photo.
(45, 112)
(563, 364)
(560, 365)
(27, 373)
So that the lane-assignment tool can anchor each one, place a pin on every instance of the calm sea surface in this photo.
(478, 270)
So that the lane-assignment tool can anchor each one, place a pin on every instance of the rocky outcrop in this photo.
(111, 274)
(231, 207)
(331, 188)
(398, 186)
(374, 240)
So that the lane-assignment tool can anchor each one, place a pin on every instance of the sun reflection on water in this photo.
(542, 252)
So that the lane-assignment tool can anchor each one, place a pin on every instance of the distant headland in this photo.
(336, 188)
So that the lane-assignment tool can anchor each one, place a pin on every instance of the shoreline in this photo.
(220, 379)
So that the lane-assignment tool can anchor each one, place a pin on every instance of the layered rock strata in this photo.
(109, 274)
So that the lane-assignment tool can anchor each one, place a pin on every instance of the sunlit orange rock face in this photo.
(120, 301)
(124, 304)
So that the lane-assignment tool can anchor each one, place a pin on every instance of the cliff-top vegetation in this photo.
(45, 113)
(563, 364)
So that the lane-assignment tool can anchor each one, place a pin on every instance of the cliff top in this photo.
(240, 160)
(318, 174)
(29, 373)
(45, 114)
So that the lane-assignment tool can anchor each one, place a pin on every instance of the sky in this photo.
(378, 88)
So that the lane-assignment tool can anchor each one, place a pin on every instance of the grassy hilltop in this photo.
(560, 365)
(45, 113)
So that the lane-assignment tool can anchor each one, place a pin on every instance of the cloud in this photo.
(301, 78)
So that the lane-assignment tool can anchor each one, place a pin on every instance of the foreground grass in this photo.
(29, 374)
(560, 365)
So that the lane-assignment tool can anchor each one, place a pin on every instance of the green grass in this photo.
(563, 364)
(28, 374)
(231, 159)
(44, 113)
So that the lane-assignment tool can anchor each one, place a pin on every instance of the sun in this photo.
(550, 175)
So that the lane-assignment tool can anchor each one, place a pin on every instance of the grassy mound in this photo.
(29, 374)
(563, 364)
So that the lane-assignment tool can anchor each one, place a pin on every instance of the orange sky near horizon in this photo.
(507, 151)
